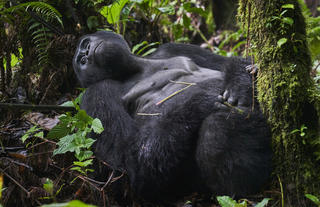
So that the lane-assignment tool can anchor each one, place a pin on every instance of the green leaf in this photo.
(59, 131)
(137, 46)
(65, 145)
(84, 163)
(313, 198)
(28, 133)
(288, 6)
(39, 134)
(92, 22)
(226, 201)
(282, 41)
(68, 103)
(48, 186)
(113, 11)
(83, 117)
(186, 21)
(190, 7)
(25, 137)
(287, 20)
(169, 9)
(149, 52)
(263, 203)
(97, 126)
(83, 155)
(74, 203)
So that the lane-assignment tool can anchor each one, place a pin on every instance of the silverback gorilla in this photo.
(171, 120)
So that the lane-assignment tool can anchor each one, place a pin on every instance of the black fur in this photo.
(171, 145)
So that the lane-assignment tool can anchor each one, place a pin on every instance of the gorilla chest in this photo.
(166, 90)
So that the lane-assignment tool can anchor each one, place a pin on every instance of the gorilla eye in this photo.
(83, 60)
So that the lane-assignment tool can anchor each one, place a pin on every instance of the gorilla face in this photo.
(99, 56)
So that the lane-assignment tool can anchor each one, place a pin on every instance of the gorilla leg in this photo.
(233, 153)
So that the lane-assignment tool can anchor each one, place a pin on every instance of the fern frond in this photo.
(46, 11)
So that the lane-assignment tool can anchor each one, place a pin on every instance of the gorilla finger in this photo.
(220, 105)
(226, 95)
(220, 98)
(252, 69)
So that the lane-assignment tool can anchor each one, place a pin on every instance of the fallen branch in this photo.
(32, 107)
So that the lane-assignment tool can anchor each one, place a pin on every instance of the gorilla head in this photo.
(103, 53)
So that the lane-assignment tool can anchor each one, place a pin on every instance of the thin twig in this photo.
(36, 107)
(176, 92)
(233, 107)
(17, 163)
(16, 182)
(108, 181)
(146, 114)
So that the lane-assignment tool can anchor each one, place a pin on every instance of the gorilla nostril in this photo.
(83, 60)
(87, 52)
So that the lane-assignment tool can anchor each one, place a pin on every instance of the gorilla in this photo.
(178, 121)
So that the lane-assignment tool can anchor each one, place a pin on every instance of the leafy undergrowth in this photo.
(34, 177)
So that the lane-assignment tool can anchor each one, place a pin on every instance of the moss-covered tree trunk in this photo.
(286, 92)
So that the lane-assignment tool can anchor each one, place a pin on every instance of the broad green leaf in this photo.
(282, 41)
(65, 145)
(288, 6)
(74, 203)
(28, 133)
(288, 20)
(84, 163)
(169, 9)
(226, 201)
(189, 7)
(97, 126)
(39, 134)
(263, 203)
(59, 131)
(113, 11)
(68, 103)
(186, 21)
(83, 116)
(137, 1)
(83, 155)
(24, 137)
(92, 22)
(48, 186)
(88, 142)
(313, 198)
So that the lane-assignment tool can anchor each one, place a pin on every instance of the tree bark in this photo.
(286, 92)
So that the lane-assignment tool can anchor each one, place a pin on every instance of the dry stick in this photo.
(233, 107)
(108, 181)
(146, 114)
(36, 107)
(17, 163)
(16, 182)
(176, 92)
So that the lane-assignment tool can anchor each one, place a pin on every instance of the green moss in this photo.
(284, 85)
